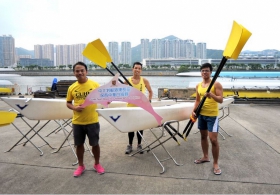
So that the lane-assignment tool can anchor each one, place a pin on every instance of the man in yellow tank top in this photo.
(208, 116)
(85, 120)
(141, 84)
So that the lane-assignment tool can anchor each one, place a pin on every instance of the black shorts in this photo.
(91, 130)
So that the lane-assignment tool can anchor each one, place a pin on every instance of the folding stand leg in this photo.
(29, 139)
(25, 136)
(224, 115)
(37, 133)
(65, 123)
(149, 148)
(69, 144)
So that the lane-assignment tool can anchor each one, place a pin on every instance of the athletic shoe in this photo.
(79, 171)
(128, 149)
(139, 147)
(99, 169)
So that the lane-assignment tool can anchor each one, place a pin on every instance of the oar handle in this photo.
(121, 74)
(171, 134)
(189, 129)
(175, 131)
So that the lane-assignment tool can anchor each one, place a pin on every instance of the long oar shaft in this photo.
(171, 134)
(113, 74)
(121, 73)
(175, 131)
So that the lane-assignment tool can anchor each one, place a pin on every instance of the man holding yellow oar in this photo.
(208, 118)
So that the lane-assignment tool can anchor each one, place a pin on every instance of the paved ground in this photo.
(249, 160)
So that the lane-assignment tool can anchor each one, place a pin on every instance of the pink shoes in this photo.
(79, 171)
(99, 169)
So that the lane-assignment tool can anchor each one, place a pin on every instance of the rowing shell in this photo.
(129, 119)
(55, 109)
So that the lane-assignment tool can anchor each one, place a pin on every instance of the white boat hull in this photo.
(131, 119)
(55, 109)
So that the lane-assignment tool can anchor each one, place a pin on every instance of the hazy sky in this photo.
(33, 22)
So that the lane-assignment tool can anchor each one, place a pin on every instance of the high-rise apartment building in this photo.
(44, 52)
(60, 55)
(156, 49)
(201, 51)
(75, 53)
(176, 48)
(190, 48)
(70, 54)
(114, 52)
(125, 53)
(38, 52)
(7, 51)
(145, 49)
(166, 49)
(48, 52)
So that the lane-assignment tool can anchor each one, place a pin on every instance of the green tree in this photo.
(254, 66)
(183, 69)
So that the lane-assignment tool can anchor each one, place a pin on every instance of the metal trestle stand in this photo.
(154, 144)
(67, 135)
(36, 132)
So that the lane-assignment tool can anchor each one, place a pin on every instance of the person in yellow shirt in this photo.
(141, 84)
(208, 116)
(85, 120)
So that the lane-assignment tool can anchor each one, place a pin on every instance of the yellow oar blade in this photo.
(94, 55)
(98, 44)
(238, 37)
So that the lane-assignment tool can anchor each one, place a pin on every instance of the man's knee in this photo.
(214, 141)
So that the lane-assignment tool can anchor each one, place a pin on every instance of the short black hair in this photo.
(136, 63)
(79, 63)
(206, 65)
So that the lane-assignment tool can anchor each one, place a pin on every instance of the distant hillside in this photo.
(267, 52)
(214, 54)
(22, 51)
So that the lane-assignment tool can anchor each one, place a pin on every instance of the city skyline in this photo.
(59, 22)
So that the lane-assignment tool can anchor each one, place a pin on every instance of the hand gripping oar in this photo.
(97, 53)
(238, 37)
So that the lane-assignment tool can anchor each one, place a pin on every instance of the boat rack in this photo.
(32, 129)
(159, 142)
(28, 136)
(67, 133)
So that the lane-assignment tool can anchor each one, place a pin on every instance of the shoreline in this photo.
(103, 72)
(92, 73)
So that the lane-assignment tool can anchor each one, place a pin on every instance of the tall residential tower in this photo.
(126, 53)
(7, 51)
(114, 52)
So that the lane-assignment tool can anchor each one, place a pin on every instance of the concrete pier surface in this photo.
(249, 160)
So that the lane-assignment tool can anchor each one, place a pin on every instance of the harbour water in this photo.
(35, 83)
(26, 84)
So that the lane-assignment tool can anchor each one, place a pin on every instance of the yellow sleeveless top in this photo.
(140, 86)
(210, 106)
